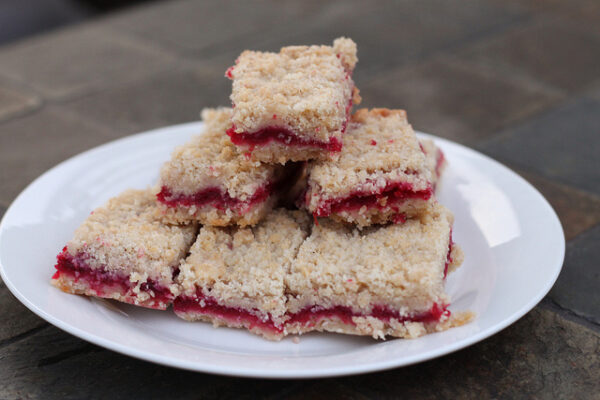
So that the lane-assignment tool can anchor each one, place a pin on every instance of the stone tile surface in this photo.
(449, 98)
(560, 144)
(80, 59)
(56, 136)
(577, 286)
(578, 210)
(15, 99)
(207, 28)
(325, 389)
(51, 364)
(562, 55)
(406, 31)
(16, 319)
(542, 356)
(171, 97)
(400, 36)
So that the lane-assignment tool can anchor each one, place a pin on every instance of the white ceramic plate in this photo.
(513, 241)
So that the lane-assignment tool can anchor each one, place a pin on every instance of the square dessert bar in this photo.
(436, 162)
(122, 251)
(381, 174)
(209, 180)
(293, 105)
(235, 276)
(378, 281)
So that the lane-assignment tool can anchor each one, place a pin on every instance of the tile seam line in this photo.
(104, 87)
(507, 129)
(23, 335)
(575, 314)
(69, 354)
(584, 232)
(182, 53)
(25, 113)
(92, 24)
(104, 130)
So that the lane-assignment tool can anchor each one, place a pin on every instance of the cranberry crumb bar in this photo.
(379, 281)
(235, 276)
(123, 252)
(210, 181)
(381, 174)
(436, 162)
(293, 105)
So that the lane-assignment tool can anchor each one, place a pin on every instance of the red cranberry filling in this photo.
(207, 305)
(281, 135)
(313, 314)
(285, 136)
(215, 197)
(438, 163)
(449, 255)
(103, 282)
(396, 193)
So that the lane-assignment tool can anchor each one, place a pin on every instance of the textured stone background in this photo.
(518, 80)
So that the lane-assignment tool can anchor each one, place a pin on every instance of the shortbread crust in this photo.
(208, 180)
(124, 252)
(381, 174)
(379, 281)
(293, 105)
(235, 276)
(436, 161)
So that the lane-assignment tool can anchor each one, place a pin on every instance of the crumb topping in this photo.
(125, 235)
(304, 88)
(210, 215)
(380, 146)
(400, 265)
(211, 160)
(245, 267)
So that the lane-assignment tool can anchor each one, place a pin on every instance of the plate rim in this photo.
(259, 372)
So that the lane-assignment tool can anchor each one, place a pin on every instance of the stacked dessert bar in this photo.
(288, 214)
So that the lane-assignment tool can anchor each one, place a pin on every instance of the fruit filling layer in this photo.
(439, 162)
(309, 316)
(206, 305)
(104, 282)
(284, 135)
(392, 195)
(313, 314)
(449, 255)
(215, 197)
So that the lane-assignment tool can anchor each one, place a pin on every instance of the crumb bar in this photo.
(210, 181)
(381, 175)
(293, 105)
(436, 162)
(235, 276)
(379, 281)
(123, 252)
